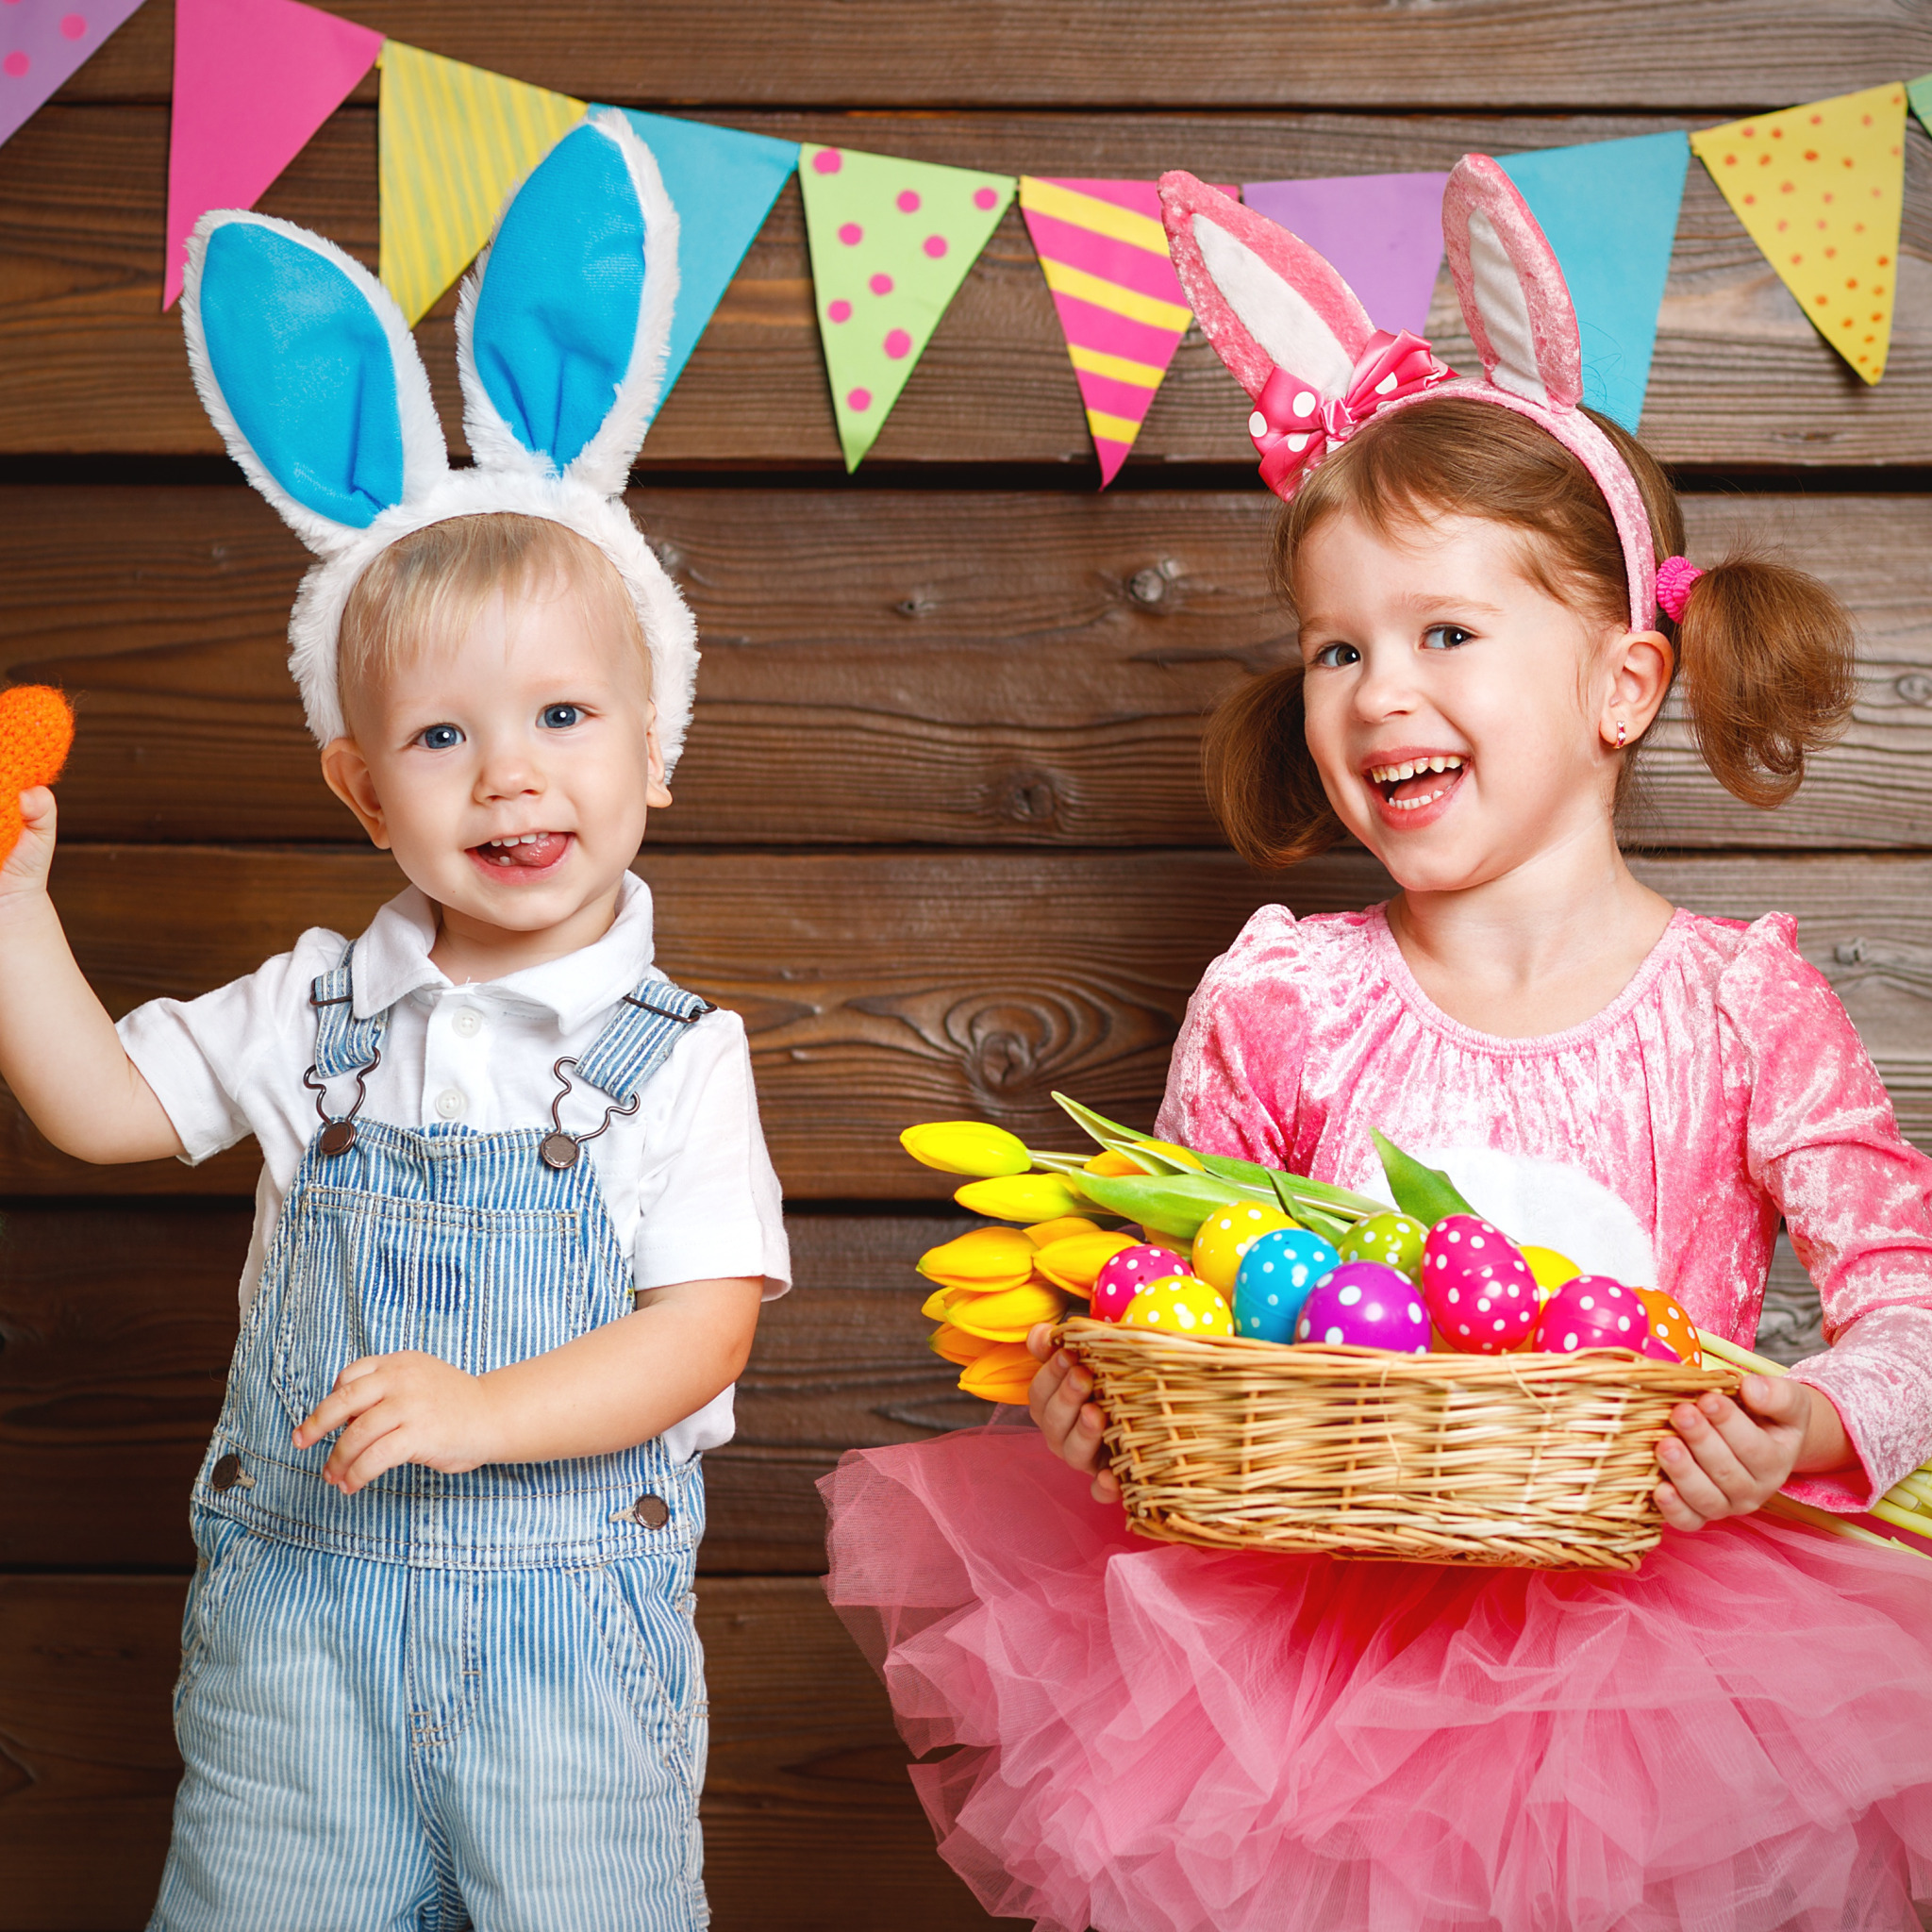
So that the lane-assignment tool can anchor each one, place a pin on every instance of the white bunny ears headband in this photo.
(1304, 348)
(310, 373)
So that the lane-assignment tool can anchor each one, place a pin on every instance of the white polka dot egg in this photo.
(1480, 1292)
(1592, 1311)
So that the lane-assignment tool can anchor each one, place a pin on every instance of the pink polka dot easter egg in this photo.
(1592, 1312)
(1479, 1288)
(1123, 1276)
(1365, 1305)
(1181, 1304)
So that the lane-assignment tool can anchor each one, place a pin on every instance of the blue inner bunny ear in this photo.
(305, 368)
(556, 316)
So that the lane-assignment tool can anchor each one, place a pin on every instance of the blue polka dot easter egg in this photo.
(1365, 1305)
(1276, 1275)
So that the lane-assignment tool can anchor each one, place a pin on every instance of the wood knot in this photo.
(1153, 588)
(1915, 688)
(1026, 798)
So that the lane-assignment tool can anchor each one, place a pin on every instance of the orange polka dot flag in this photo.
(1821, 188)
(892, 240)
(36, 728)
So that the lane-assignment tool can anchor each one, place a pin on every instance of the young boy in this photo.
(439, 1664)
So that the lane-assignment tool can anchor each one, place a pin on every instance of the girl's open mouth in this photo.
(521, 854)
(1408, 786)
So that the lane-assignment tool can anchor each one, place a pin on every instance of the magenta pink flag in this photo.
(41, 43)
(253, 79)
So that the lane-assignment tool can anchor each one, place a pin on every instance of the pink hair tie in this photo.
(1675, 576)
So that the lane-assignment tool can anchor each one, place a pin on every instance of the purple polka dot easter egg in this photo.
(1480, 1292)
(1365, 1305)
(1123, 1276)
(1592, 1312)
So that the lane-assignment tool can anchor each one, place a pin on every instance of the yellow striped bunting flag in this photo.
(454, 139)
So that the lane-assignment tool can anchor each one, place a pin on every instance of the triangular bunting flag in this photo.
(1121, 306)
(891, 243)
(1918, 91)
(1609, 210)
(41, 43)
(454, 139)
(1383, 232)
(723, 183)
(253, 79)
(1821, 188)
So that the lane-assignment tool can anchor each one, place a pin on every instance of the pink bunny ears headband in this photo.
(1301, 345)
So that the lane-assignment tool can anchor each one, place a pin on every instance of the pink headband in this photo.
(1304, 348)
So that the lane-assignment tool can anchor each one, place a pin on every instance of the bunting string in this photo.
(1818, 186)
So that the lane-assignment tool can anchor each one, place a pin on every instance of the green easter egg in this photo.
(1391, 1238)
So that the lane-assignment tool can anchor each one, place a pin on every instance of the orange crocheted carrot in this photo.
(36, 728)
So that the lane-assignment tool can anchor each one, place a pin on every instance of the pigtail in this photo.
(1261, 783)
(1765, 658)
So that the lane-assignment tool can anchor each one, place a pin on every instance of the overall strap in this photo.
(343, 1045)
(648, 1023)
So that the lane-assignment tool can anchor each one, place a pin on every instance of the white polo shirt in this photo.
(685, 1179)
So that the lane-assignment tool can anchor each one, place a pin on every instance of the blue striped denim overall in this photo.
(447, 1701)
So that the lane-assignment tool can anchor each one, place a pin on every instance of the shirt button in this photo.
(468, 1022)
(450, 1104)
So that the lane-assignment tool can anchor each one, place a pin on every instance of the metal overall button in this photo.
(227, 1473)
(339, 1130)
(653, 1512)
(558, 1148)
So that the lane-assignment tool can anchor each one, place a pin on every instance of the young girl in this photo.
(1736, 1736)
(515, 1216)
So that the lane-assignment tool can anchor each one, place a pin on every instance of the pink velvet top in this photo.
(1725, 1087)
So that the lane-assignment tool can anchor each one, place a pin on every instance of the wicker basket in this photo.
(1544, 1461)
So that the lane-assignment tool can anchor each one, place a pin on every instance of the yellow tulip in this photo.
(1008, 1316)
(985, 1260)
(972, 1148)
(1030, 1197)
(1002, 1375)
(935, 1305)
(1072, 1262)
(956, 1346)
(1047, 1232)
(1108, 1161)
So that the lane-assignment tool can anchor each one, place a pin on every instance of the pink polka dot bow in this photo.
(1293, 423)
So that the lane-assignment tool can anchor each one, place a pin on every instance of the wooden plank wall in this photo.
(942, 783)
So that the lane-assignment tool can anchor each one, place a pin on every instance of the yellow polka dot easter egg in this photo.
(1181, 1304)
(1225, 1237)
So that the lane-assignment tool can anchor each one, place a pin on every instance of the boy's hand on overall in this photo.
(1727, 1459)
(397, 1409)
(1070, 1422)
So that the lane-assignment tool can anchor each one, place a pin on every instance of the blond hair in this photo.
(433, 584)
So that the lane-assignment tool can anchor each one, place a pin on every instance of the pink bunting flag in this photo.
(253, 79)
(41, 43)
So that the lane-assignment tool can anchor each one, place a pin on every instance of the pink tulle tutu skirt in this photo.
(1146, 1738)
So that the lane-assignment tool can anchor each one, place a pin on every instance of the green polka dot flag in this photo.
(892, 241)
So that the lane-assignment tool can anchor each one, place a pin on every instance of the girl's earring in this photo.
(1623, 732)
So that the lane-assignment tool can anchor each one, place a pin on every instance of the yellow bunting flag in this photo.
(1821, 188)
(454, 139)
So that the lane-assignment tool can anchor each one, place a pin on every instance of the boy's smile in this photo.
(510, 770)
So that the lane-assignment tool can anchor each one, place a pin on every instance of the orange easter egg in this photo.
(1670, 1323)
(36, 728)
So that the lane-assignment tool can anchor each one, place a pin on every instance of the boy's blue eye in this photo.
(439, 738)
(1337, 656)
(561, 717)
(1450, 634)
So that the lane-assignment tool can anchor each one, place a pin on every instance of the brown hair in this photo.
(1764, 651)
(433, 583)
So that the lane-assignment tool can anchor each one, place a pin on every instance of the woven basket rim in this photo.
(1335, 1361)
